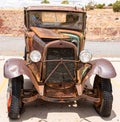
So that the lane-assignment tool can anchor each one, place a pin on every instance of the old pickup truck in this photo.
(56, 62)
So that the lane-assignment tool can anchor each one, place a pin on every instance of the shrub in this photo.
(116, 6)
(100, 6)
(45, 2)
(110, 4)
(65, 2)
(90, 6)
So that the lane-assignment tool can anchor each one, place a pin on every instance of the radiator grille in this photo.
(61, 74)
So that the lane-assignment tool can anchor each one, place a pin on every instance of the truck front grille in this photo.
(61, 74)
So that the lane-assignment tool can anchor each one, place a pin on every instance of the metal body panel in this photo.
(45, 39)
(55, 8)
(103, 68)
(49, 8)
(15, 67)
(58, 34)
(47, 33)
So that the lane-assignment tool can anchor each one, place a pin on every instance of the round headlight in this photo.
(85, 56)
(35, 56)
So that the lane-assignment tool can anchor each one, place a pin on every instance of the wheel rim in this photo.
(98, 94)
(9, 102)
(98, 104)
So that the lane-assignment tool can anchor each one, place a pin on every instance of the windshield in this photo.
(48, 19)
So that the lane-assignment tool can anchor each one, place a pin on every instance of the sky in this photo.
(23, 3)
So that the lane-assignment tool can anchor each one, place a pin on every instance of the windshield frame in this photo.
(28, 13)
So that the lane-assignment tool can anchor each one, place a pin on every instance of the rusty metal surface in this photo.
(65, 90)
(57, 44)
(58, 97)
(30, 98)
(82, 36)
(73, 26)
(60, 8)
(60, 44)
(47, 33)
(58, 34)
(68, 91)
(102, 68)
(59, 63)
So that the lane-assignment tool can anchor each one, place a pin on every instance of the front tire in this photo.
(103, 90)
(15, 100)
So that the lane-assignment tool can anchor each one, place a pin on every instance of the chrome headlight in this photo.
(85, 56)
(35, 56)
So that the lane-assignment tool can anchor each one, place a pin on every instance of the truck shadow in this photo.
(60, 112)
(57, 112)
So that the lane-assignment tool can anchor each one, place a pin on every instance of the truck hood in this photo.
(48, 33)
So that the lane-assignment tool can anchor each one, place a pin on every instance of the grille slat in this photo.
(61, 74)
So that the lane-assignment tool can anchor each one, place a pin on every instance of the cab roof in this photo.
(56, 8)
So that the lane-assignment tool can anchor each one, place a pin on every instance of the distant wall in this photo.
(11, 22)
(101, 24)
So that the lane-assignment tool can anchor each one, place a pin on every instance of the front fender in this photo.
(15, 67)
(103, 68)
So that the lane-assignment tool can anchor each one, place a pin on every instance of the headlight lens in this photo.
(85, 56)
(35, 56)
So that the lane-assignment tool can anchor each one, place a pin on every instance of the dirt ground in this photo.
(102, 24)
